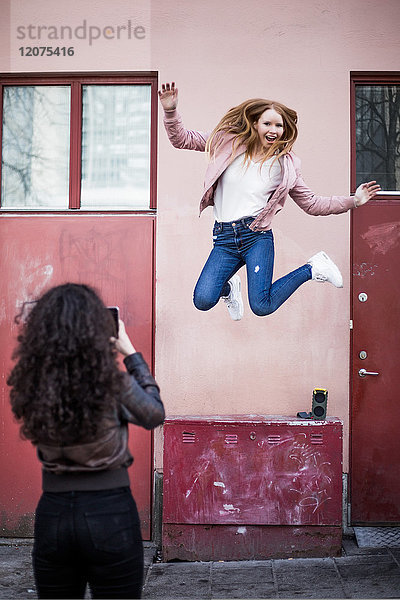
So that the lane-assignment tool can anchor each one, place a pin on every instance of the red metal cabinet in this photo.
(252, 477)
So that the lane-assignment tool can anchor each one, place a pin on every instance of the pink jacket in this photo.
(292, 183)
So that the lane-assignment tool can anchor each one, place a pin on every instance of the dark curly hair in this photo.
(66, 376)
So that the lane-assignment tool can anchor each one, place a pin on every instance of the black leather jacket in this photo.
(102, 463)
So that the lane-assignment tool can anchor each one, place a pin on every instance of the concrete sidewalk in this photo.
(359, 573)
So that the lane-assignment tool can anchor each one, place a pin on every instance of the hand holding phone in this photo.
(123, 344)
(122, 341)
(114, 310)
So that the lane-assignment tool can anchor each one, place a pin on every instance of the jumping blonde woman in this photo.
(251, 172)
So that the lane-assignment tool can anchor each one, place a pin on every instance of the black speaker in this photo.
(319, 402)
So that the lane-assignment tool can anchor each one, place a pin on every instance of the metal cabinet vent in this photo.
(274, 439)
(317, 439)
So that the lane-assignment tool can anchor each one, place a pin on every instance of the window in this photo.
(78, 142)
(35, 147)
(376, 135)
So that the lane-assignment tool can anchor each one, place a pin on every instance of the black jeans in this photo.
(88, 538)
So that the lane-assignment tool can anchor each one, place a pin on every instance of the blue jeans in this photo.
(88, 537)
(235, 245)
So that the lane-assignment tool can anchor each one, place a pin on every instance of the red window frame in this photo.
(76, 81)
(368, 78)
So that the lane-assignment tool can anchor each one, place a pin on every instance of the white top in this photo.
(243, 189)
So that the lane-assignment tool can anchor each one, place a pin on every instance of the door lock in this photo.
(364, 373)
(362, 297)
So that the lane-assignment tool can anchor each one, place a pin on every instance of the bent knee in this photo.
(262, 310)
(203, 302)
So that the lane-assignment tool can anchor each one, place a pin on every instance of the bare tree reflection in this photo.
(378, 135)
(35, 148)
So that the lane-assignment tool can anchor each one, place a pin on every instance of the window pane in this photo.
(116, 147)
(378, 135)
(35, 152)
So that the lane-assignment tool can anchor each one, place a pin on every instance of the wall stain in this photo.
(382, 238)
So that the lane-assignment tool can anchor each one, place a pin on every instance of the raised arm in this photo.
(319, 205)
(168, 96)
(328, 205)
(140, 403)
(184, 139)
(366, 192)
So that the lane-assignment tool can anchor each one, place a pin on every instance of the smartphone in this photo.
(114, 310)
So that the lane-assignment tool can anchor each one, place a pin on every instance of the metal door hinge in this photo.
(351, 323)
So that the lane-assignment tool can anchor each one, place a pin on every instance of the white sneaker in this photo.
(234, 302)
(324, 269)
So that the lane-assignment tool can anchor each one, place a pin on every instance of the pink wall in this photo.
(221, 53)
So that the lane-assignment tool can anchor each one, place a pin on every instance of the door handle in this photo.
(364, 373)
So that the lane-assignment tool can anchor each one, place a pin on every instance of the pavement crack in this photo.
(147, 577)
(345, 594)
(275, 578)
(210, 583)
(394, 557)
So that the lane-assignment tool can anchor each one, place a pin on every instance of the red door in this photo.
(375, 437)
(114, 254)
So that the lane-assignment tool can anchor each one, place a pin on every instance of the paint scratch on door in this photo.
(219, 484)
(364, 270)
(382, 238)
(3, 313)
(203, 470)
(33, 278)
(230, 508)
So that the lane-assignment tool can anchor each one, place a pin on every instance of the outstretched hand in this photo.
(168, 96)
(365, 192)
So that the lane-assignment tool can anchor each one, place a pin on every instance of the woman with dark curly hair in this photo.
(74, 405)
